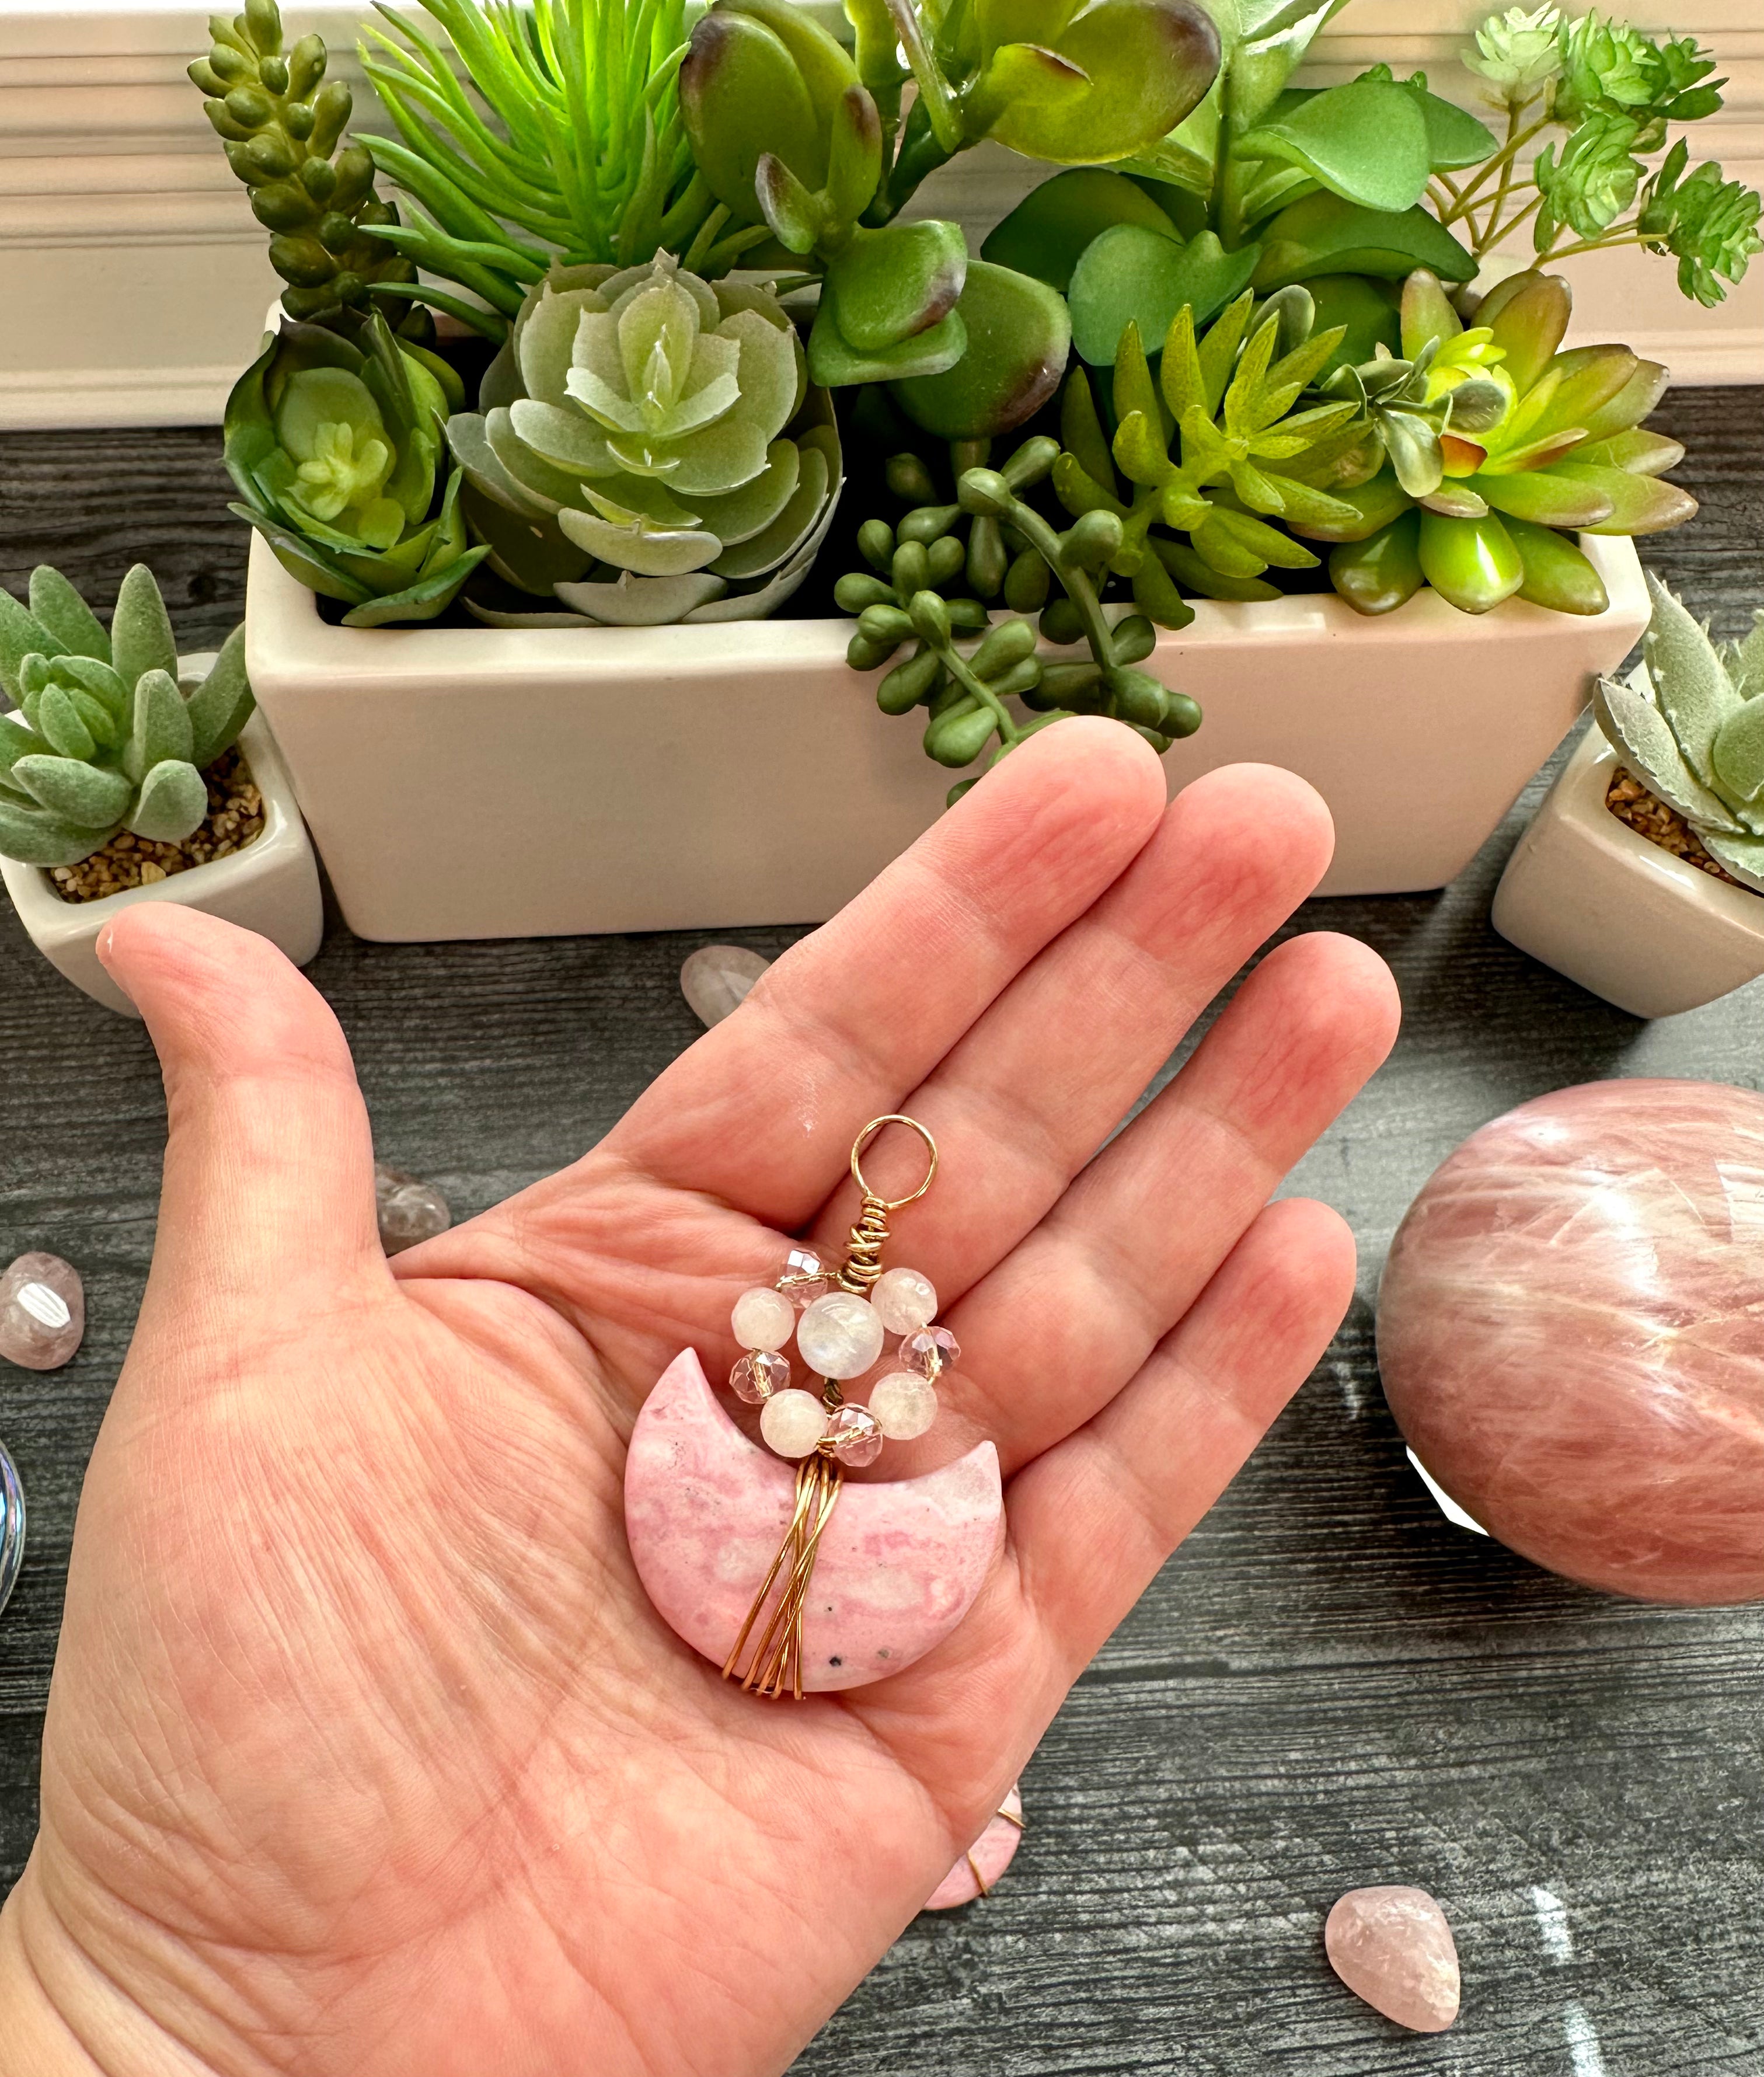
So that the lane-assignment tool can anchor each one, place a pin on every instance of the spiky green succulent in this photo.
(1481, 506)
(105, 738)
(282, 123)
(650, 449)
(1689, 723)
(336, 449)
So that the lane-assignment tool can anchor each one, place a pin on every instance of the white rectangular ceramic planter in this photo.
(1594, 899)
(489, 782)
(271, 886)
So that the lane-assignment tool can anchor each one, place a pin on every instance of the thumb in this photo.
(268, 1183)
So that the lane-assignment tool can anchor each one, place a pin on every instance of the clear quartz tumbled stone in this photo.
(905, 1404)
(792, 1422)
(716, 978)
(759, 1376)
(905, 1301)
(763, 1318)
(931, 1350)
(42, 1312)
(407, 1211)
(805, 1276)
(839, 1336)
(856, 1436)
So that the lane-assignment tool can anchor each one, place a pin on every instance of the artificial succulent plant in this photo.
(1689, 723)
(650, 449)
(105, 738)
(336, 448)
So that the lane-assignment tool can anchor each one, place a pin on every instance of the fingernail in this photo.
(101, 945)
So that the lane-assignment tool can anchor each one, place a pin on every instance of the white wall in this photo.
(133, 277)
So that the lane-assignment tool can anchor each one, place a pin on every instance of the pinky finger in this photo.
(1093, 1519)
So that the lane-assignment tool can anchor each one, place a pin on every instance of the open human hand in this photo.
(366, 1755)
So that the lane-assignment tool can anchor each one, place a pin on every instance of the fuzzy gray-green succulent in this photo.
(1690, 725)
(105, 738)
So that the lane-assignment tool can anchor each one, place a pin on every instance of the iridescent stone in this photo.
(931, 1351)
(905, 1404)
(716, 978)
(792, 1422)
(763, 1318)
(857, 1439)
(905, 1301)
(805, 1277)
(42, 1312)
(407, 1211)
(839, 1335)
(1392, 1946)
(758, 1377)
(1570, 1334)
(978, 1871)
(12, 1527)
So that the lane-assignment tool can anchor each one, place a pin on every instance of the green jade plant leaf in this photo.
(335, 449)
(651, 450)
(105, 738)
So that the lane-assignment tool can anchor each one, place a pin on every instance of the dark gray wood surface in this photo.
(1328, 1686)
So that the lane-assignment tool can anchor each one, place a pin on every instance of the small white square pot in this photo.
(271, 886)
(1590, 897)
(484, 782)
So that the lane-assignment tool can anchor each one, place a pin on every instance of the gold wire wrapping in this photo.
(774, 1664)
(863, 1248)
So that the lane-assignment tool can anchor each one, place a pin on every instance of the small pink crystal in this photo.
(757, 1376)
(857, 1436)
(930, 1352)
(1392, 1946)
(978, 1871)
(1570, 1334)
(42, 1312)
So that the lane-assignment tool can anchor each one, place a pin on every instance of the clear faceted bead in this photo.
(931, 1350)
(792, 1422)
(763, 1318)
(905, 1301)
(806, 1277)
(42, 1312)
(759, 1375)
(839, 1335)
(856, 1435)
(905, 1404)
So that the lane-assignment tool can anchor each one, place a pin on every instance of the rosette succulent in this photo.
(1690, 725)
(105, 738)
(1475, 502)
(650, 449)
(336, 448)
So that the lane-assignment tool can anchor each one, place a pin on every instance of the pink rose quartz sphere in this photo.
(1570, 1333)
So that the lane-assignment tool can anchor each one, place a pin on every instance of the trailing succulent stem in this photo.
(282, 125)
(105, 738)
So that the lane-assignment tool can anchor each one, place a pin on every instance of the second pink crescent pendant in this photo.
(765, 1559)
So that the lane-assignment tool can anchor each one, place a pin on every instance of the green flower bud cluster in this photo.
(282, 125)
(1689, 723)
(105, 738)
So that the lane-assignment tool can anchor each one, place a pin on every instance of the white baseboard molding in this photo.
(33, 399)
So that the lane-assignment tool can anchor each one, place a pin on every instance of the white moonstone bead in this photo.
(763, 1319)
(904, 1405)
(905, 1301)
(839, 1336)
(792, 1422)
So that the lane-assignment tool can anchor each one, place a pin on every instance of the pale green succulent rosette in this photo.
(650, 451)
(1690, 725)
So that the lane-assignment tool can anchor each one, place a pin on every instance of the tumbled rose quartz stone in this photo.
(407, 1211)
(1571, 1335)
(905, 1404)
(42, 1312)
(839, 1336)
(904, 1300)
(792, 1422)
(716, 978)
(1392, 1946)
(931, 1350)
(755, 1378)
(857, 1440)
(763, 1319)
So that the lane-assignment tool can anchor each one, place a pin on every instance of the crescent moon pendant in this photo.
(899, 1563)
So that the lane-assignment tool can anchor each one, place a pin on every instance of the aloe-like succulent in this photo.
(1477, 504)
(105, 738)
(1689, 723)
(335, 447)
(650, 449)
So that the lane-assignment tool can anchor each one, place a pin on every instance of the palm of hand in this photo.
(366, 1752)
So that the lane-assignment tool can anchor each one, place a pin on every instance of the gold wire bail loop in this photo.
(863, 1139)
